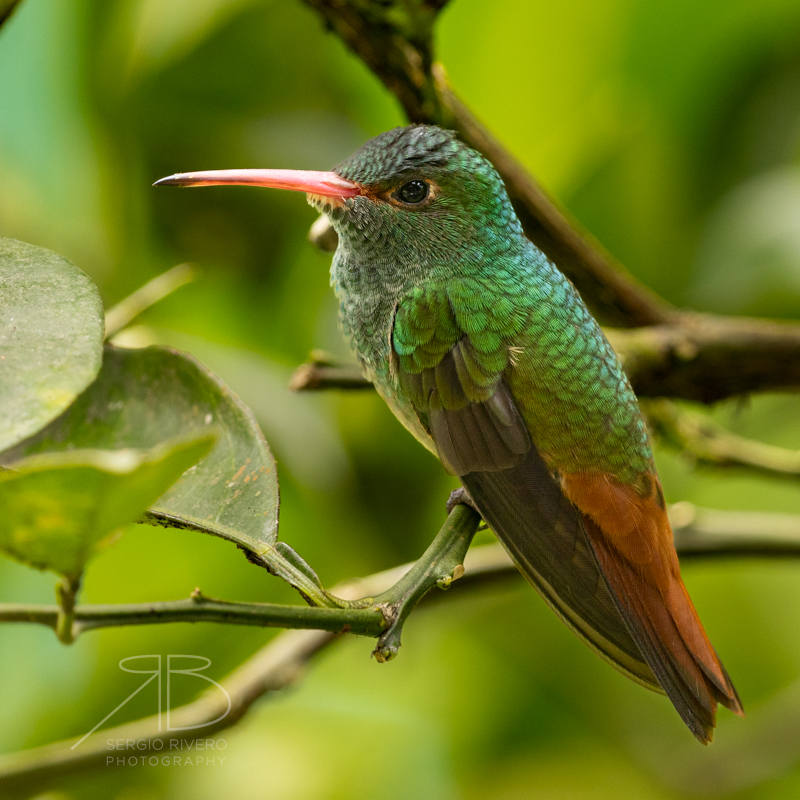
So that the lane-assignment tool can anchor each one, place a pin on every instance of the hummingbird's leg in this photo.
(460, 496)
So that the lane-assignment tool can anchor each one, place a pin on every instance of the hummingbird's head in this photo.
(417, 193)
(423, 191)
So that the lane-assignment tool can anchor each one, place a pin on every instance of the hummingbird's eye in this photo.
(413, 192)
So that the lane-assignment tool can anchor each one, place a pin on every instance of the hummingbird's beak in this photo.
(328, 184)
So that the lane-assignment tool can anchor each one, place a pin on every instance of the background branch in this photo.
(705, 532)
(322, 371)
(707, 442)
(700, 357)
(707, 358)
(122, 314)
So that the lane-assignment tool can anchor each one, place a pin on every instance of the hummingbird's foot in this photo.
(460, 496)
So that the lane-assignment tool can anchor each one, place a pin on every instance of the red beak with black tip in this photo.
(327, 184)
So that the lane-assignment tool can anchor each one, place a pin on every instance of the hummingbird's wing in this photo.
(461, 399)
(634, 613)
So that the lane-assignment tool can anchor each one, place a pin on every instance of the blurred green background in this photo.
(671, 130)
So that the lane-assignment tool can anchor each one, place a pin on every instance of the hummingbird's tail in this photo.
(632, 540)
(667, 630)
(637, 617)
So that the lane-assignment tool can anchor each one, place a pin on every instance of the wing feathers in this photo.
(544, 535)
(471, 435)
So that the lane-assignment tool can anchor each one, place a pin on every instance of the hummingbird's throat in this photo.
(325, 203)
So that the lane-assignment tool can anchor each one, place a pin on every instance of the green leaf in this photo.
(141, 398)
(51, 337)
(59, 509)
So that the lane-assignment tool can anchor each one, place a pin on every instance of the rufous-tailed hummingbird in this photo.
(488, 355)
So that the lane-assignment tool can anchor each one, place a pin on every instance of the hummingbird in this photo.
(487, 354)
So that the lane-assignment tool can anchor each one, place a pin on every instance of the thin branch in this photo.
(708, 442)
(197, 608)
(322, 371)
(486, 563)
(122, 314)
(382, 616)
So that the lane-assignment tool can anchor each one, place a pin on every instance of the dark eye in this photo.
(413, 192)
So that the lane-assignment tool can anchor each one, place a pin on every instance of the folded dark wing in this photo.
(461, 399)
(544, 534)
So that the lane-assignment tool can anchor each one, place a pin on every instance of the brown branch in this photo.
(610, 291)
(707, 358)
(312, 376)
(395, 43)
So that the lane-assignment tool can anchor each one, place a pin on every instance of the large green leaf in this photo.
(51, 337)
(60, 508)
(141, 398)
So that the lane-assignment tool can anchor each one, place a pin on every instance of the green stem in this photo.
(364, 622)
(122, 314)
(311, 590)
(66, 592)
(441, 564)
(361, 621)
